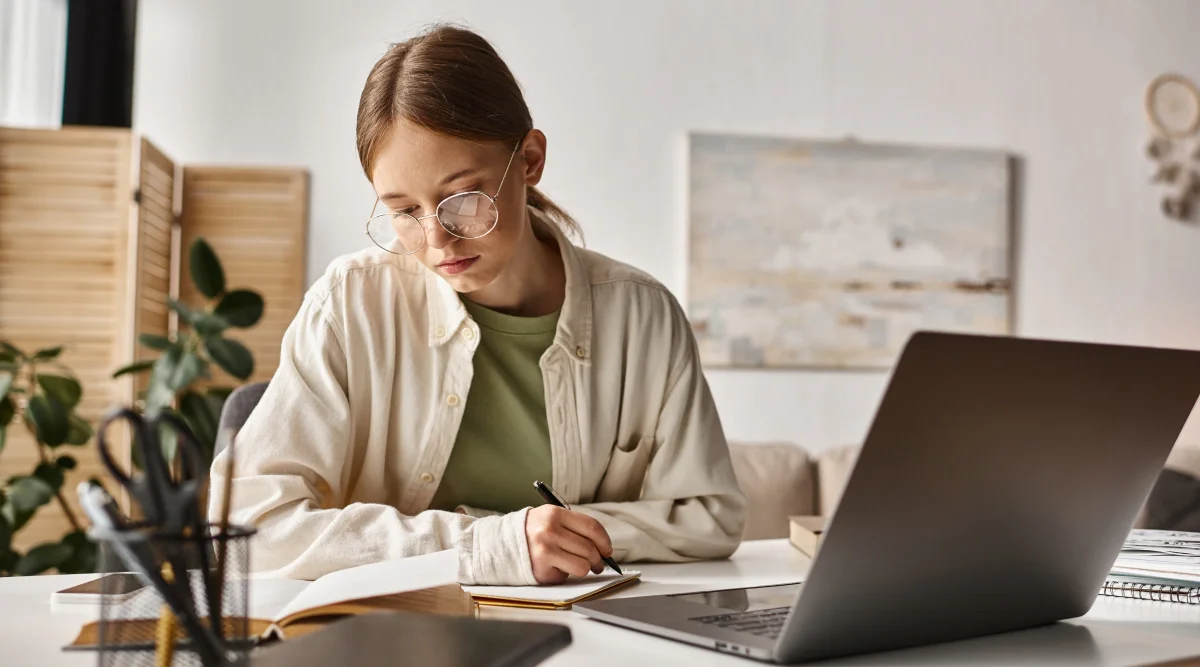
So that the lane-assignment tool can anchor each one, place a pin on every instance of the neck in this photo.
(533, 284)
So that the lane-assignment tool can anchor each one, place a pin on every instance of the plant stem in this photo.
(62, 502)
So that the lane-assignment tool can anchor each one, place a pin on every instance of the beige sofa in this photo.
(782, 480)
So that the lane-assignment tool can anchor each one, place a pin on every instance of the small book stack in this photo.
(806, 532)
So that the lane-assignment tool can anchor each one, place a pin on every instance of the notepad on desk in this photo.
(559, 596)
(286, 608)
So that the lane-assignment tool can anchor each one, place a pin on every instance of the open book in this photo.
(286, 608)
(561, 596)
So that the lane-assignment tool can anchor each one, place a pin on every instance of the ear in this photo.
(533, 154)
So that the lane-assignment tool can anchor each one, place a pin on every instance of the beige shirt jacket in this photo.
(337, 465)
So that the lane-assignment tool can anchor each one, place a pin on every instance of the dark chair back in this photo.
(238, 407)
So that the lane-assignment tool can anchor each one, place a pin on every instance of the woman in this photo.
(427, 382)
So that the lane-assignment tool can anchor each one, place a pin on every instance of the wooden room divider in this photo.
(94, 226)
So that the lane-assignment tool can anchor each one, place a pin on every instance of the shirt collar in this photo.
(574, 333)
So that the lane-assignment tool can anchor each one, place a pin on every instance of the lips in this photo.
(457, 265)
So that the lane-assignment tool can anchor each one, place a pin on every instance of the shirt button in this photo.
(439, 332)
(580, 352)
(452, 399)
(468, 334)
(426, 477)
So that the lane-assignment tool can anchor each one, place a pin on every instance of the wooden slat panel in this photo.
(64, 219)
(155, 230)
(256, 220)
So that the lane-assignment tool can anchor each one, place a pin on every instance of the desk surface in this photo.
(1115, 632)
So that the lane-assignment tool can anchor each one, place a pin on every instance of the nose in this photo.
(435, 235)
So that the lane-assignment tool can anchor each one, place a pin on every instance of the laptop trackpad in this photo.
(745, 599)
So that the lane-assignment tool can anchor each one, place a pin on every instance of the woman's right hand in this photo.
(564, 543)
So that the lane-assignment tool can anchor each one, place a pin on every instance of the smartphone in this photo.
(119, 586)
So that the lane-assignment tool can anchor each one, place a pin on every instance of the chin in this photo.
(468, 282)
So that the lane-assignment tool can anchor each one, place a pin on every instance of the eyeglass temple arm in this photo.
(507, 167)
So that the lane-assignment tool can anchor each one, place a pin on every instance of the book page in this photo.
(367, 581)
(269, 597)
(571, 590)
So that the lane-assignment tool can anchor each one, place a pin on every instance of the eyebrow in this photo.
(449, 179)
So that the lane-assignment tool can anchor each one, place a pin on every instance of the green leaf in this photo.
(168, 440)
(173, 371)
(50, 474)
(43, 557)
(6, 534)
(80, 431)
(8, 367)
(9, 352)
(50, 420)
(206, 269)
(83, 558)
(26, 494)
(66, 390)
(185, 312)
(209, 325)
(221, 393)
(7, 410)
(65, 461)
(198, 412)
(47, 354)
(231, 356)
(15, 517)
(135, 367)
(8, 559)
(241, 308)
(154, 342)
(6, 380)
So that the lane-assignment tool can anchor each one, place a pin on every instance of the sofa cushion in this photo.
(778, 481)
(833, 472)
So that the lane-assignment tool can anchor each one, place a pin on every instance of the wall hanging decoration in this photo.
(1173, 111)
(830, 254)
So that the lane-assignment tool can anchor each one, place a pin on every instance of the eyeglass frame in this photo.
(420, 220)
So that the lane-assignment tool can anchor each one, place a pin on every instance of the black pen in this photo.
(551, 497)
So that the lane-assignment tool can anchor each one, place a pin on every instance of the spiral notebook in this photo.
(1147, 589)
(561, 596)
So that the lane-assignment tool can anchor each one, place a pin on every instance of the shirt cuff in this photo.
(475, 512)
(493, 551)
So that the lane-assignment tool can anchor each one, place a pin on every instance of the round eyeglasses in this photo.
(466, 215)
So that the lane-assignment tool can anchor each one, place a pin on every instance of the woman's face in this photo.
(415, 169)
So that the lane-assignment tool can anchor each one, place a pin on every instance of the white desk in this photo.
(1115, 632)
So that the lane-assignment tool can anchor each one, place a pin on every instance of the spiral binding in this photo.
(1154, 592)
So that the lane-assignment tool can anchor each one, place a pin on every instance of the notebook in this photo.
(1150, 589)
(286, 608)
(560, 596)
(1158, 565)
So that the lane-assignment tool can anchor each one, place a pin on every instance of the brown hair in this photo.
(451, 81)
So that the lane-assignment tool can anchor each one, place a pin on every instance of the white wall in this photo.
(616, 85)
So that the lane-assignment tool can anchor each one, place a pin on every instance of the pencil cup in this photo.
(159, 605)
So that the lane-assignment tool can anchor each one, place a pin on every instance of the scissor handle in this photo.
(134, 420)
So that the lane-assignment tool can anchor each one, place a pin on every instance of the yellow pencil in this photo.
(164, 640)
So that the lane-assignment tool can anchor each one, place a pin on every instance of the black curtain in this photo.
(99, 73)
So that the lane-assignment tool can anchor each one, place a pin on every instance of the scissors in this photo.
(171, 509)
(170, 506)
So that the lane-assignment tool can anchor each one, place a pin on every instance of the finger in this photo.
(569, 562)
(576, 544)
(590, 528)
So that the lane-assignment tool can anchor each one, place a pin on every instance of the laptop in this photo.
(993, 492)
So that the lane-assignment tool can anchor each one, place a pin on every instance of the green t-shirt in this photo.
(503, 443)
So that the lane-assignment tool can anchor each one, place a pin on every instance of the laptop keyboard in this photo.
(762, 622)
